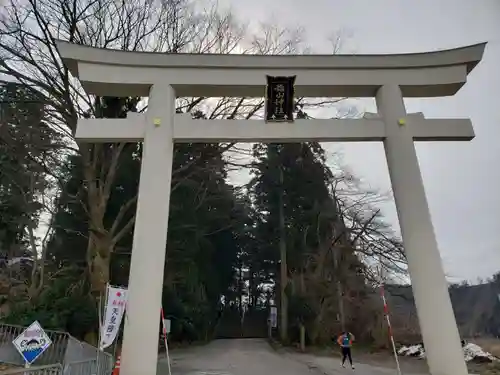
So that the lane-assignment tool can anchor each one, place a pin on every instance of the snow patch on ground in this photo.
(472, 352)
(412, 351)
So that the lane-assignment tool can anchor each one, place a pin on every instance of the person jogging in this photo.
(345, 341)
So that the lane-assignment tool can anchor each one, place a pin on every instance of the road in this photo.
(233, 357)
(254, 356)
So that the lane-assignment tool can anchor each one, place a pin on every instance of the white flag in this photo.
(115, 308)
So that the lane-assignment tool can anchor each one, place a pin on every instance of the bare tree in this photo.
(28, 55)
(338, 276)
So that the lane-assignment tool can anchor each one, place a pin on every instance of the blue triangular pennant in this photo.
(31, 355)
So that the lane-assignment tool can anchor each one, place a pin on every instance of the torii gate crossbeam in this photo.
(388, 78)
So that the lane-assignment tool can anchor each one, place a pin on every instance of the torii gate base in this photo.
(388, 78)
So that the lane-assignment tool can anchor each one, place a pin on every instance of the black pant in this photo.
(346, 353)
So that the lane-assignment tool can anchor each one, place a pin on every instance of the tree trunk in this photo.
(302, 327)
(99, 257)
(100, 168)
(315, 327)
(302, 337)
(99, 262)
(283, 268)
(340, 294)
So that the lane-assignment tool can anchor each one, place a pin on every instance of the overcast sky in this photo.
(461, 178)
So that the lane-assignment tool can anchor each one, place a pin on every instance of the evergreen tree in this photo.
(29, 153)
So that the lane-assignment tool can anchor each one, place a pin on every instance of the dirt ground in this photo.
(5, 366)
(381, 359)
(491, 345)
(409, 365)
(384, 359)
(415, 365)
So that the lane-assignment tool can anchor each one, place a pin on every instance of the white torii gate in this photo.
(388, 78)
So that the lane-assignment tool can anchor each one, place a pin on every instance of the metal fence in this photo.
(88, 367)
(8, 353)
(36, 370)
(75, 357)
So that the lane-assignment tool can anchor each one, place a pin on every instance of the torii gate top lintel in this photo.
(388, 78)
(120, 73)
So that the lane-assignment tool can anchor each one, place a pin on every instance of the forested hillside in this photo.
(477, 309)
(302, 234)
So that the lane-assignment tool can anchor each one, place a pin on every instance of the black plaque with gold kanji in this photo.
(280, 93)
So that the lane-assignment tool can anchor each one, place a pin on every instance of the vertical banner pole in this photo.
(386, 313)
(165, 338)
(100, 319)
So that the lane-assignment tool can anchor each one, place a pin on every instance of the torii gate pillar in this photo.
(388, 78)
(139, 350)
(429, 285)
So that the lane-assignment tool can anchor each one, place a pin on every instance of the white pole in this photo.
(98, 335)
(391, 336)
(386, 313)
(140, 338)
(395, 355)
(100, 318)
(430, 288)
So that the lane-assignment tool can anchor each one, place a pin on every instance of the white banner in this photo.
(115, 309)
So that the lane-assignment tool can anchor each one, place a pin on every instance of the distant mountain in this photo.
(476, 307)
